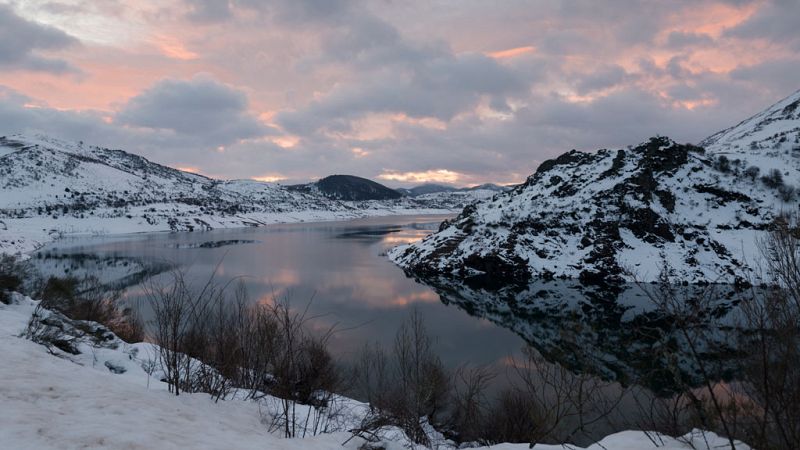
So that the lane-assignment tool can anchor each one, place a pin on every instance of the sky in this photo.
(400, 91)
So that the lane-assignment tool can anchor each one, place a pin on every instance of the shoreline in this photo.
(22, 237)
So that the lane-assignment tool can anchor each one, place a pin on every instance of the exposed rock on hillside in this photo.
(616, 215)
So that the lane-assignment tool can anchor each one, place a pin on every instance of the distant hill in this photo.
(50, 187)
(488, 187)
(431, 188)
(348, 188)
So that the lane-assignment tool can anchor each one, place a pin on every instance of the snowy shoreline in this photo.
(56, 400)
(21, 237)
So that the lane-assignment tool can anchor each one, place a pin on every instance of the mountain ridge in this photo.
(614, 216)
(52, 187)
(432, 188)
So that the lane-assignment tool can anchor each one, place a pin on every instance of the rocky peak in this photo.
(612, 216)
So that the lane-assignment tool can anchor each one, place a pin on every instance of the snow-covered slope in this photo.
(50, 187)
(432, 188)
(775, 128)
(102, 397)
(616, 215)
(61, 176)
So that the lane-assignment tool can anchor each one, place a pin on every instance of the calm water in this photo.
(340, 264)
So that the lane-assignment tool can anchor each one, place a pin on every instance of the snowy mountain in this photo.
(55, 177)
(431, 188)
(616, 215)
(769, 140)
(51, 187)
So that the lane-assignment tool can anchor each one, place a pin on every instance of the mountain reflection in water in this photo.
(341, 265)
(618, 334)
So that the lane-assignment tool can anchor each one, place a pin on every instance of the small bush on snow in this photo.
(13, 274)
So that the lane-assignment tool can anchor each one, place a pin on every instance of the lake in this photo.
(342, 270)
(341, 265)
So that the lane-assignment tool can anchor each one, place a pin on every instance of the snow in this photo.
(52, 188)
(562, 220)
(49, 402)
(56, 402)
(767, 140)
(21, 236)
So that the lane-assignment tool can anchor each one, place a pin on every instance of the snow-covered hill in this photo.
(51, 187)
(431, 188)
(51, 177)
(617, 215)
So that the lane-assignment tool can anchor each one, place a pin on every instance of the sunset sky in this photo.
(405, 92)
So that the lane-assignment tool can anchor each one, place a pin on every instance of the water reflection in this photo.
(618, 334)
(614, 334)
(340, 264)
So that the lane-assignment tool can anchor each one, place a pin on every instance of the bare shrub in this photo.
(771, 380)
(371, 376)
(128, 325)
(409, 388)
(51, 337)
(762, 407)
(752, 172)
(787, 192)
(88, 299)
(175, 309)
(421, 377)
(13, 274)
(471, 404)
(723, 164)
(302, 369)
(693, 330)
(260, 336)
(511, 418)
(662, 416)
(558, 405)
(773, 179)
(211, 341)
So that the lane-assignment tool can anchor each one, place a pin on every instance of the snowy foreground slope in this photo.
(617, 215)
(49, 188)
(76, 401)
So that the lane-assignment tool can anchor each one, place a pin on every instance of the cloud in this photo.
(201, 107)
(775, 20)
(603, 77)
(22, 114)
(438, 88)
(779, 75)
(208, 11)
(19, 115)
(398, 89)
(682, 39)
(302, 11)
(428, 176)
(21, 42)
